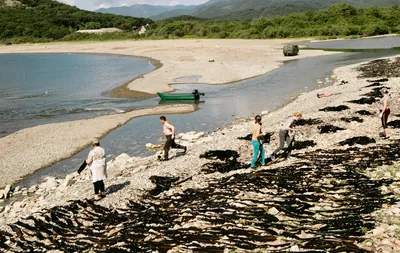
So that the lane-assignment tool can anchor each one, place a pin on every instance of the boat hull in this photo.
(177, 96)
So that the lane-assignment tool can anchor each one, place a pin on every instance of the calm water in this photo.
(244, 98)
(375, 43)
(46, 88)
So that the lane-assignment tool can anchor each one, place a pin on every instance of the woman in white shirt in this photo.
(97, 163)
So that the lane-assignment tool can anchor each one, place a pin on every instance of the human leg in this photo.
(256, 149)
(385, 117)
(262, 154)
(167, 146)
(282, 137)
(101, 188)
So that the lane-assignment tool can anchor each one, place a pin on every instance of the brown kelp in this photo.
(380, 68)
(335, 108)
(322, 203)
(330, 129)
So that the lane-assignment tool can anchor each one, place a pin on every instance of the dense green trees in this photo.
(50, 20)
(337, 20)
(46, 20)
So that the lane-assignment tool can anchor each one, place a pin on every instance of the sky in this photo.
(96, 4)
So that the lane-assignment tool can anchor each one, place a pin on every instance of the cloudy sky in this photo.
(96, 4)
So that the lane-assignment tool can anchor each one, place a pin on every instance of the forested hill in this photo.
(249, 9)
(49, 19)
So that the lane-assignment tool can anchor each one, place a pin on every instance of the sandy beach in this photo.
(325, 194)
(31, 149)
(233, 60)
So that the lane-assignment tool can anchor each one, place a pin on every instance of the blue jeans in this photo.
(257, 148)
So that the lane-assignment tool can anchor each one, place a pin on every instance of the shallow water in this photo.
(46, 88)
(222, 102)
(364, 43)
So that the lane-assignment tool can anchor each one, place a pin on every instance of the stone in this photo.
(295, 248)
(17, 189)
(264, 112)
(50, 183)
(273, 211)
(33, 188)
(149, 145)
(69, 180)
(6, 191)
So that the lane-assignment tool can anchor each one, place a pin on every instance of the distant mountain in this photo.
(147, 11)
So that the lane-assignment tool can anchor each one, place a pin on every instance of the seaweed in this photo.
(394, 124)
(380, 68)
(307, 122)
(335, 108)
(373, 85)
(351, 119)
(364, 112)
(298, 145)
(228, 158)
(232, 212)
(330, 129)
(162, 184)
(363, 101)
(361, 140)
(378, 81)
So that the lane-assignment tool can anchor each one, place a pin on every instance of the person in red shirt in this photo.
(169, 132)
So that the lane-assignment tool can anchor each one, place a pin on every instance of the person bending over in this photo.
(284, 135)
(384, 108)
(256, 141)
(169, 132)
(97, 164)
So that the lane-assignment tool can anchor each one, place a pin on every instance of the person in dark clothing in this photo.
(384, 109)
(169, 133)
(284, 135)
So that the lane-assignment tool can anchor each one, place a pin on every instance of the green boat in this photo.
(195, 95)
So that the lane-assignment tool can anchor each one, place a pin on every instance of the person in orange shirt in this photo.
(169, 132)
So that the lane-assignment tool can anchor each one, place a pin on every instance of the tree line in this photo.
(46, 20)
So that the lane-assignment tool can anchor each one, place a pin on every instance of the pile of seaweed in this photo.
(363, 101)
(335, 108)
(351, 119)
(226, 161)
(298, 145)
(380, 68)
(364, 112)
(320, 204)
(361, 140)
(329, 129)
(394, 124)
(307, 122)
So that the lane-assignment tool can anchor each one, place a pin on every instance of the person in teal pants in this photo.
(256, 141)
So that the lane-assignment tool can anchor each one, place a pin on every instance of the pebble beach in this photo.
(338, 191)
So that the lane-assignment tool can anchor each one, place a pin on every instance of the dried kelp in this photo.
(266, 138)
(329, 129)
(335, 108)
(352, 119)
(379, 80)
(298, 145)
(360, 140)
(307, 122)
(394, 124)
(364, 112)
(380, 68)
(363, 101)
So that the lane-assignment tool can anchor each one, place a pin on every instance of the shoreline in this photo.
(234, 60)
(44, 141)
(135, 173)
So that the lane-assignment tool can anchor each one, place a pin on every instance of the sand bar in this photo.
(233, 60)
(31, 149)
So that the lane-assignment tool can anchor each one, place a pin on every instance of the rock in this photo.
(1, 195)
(273, 211)
(149, 145)
(69, 180)
(211, 60)
(264, 112)
(6, 192)
(33, 189)
(50, 183)
(17, 189)
(295, 248)
(379, 230)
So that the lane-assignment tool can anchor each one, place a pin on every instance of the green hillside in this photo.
(338, 20)
(249, 9)
(44, 20)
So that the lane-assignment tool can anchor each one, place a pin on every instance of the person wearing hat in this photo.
(97, 164)
(384, 108)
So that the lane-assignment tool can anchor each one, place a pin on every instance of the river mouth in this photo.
(220, 106)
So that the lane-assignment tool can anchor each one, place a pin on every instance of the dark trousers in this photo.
(98, 187)
(170, 143)
(385, 116)
(284, 137)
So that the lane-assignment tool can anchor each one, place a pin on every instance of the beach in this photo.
(337, 183)
(32, 149)
(216, 61)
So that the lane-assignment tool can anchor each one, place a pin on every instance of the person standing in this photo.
(256, 141)
(384, 108)
(284, 135)
(169, 133)
(97, 164)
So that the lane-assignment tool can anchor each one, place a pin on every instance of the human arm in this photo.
(89, 159)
